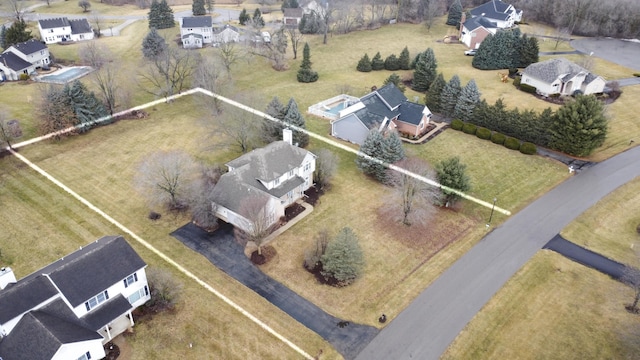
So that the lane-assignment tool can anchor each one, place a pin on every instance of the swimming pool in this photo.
(65, 75)
(335, 108)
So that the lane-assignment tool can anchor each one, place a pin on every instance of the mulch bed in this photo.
(112, 350)
(292, 211)
(268, 253)
(313, 195)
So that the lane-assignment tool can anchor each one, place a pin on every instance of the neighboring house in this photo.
(62, 29)
(561, 76)
(385, 108)
(23, 58)
(195, 31)
(69, 309)
(11, 66)
(292, 17)
(475, 30)
(270, 178)
(499, 12)
(226, 34)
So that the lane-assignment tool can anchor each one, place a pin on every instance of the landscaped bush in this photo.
(457, 124)
(556, 95)
(391, 63)
(528, 88)
(512, 143)
(528, 148)
(377, 63)
(636, 74)
(498, 138)
(23, 77)
(364, 65)
(483, 133)
(469, 128)
(516, 81)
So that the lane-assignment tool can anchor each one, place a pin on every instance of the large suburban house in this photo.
(62, 29)
(561, 76)
(195, 31)
(292, 17)
(23, 58)
(499, 12)
(261, 184)
(71, 308)
(382, 109)
(226, 34)
(474, 30)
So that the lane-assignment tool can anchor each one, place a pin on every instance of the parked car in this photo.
(470, 52)
(266, 37)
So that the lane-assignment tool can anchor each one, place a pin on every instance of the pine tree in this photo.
(197, 8)
(166, 19)
(17, 33)
(244, 17)
(293, 117)
(452, 174)
(343, 259)
(404, 61)
(449, 97)
(433, 98)
(579, 127)
(272, 131)
(292, 4)
(455, 14)
(364, 65)
(305, 74)
(395, 80)
(377, 63)
(425, 71)
(154, 15)
(84, 104)
(467, 102)
(3, 37)
(391, 63)
(372, 146)
(210, 4)
(257, 19)
(499, 51)
(392, 150)
(153, 44)
(529, 50)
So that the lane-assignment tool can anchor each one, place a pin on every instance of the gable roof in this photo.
(550, 70)
(53, 23)
(218, 30)
(14, 62)
(480, 21)
(29, 46)
(293, 12)
(23, 296)
(80, 26)
(196, 21)
(494, 9)
(411, 112)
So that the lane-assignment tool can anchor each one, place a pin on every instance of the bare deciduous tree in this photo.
(17, 8)
(294, 36)
(631, 277)
(562, 35)
(210, 75)
(166, 178)
(203, 209)
(164, 289)
(229, 53)
(275, 50)
(169, 72)
(54, 114)
(239, 128)
(105, 77)
(326, 165)
(257, 211)
(410, 198)
(94, 54)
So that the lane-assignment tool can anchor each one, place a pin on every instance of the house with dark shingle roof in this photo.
(23, 58)
(11, 66)
(474, 30)
(195, 31)
(226, 34)
(502, 14)
(70, 308)
(62, 29)
(383, 109)
(263, 183)
(561, 76)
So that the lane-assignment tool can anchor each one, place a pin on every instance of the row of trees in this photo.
(506, 50)
(160, 15)
(202, 7)
(451, 99)
(392, 62)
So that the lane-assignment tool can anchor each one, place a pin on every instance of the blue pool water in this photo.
(63, 77)
(336, 108)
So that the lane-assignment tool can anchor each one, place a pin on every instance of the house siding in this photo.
(75, 350)
(350, 129)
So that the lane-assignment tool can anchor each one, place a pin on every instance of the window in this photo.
(85, 356)
(130, 279)
(138, 294)
(276, 181)
(291, 173)
(96, 300)
(307, 167)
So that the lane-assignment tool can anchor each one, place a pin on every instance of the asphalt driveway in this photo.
(224, 252)
(622, 52)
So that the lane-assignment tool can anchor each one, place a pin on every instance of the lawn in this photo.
(97, 9)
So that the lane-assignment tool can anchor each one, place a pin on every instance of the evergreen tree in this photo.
(452, 174)
(257, 19)
(432, 100)
(3, 37)
(293, 117)
(197, 8)
(372, 146)
(160, 15)
(343, 260)
(272, 131)
(499, 51)
(395, 80)
(244, 17)
(364, 65)
(404, 59)
(449, 97)
(529, 50)
(305, 74)
(455, 14)
(84, 104)
(392, 150)
(425, 71)
(391, 63)
(377, 63)
(579, 127)
(153, 45)
(154, 15)
(17, 33)
(467, 101)
(290, 4)
(209, 4)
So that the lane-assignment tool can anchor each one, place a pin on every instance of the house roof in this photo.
(196, 21)
(106, 312)
(14, 62)
(494, 9)
(80, 26)
(293, 12)
(480, 21)
(53, 23)
(218, 30)
(29, 47)
(391, 95)
(550, 70)
(411, 112)
(23, 296)
(270, 162)
(186, 36)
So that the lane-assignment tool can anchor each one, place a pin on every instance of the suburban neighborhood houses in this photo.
(437, 163)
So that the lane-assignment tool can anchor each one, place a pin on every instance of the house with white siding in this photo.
(563, 77)
(226, 34)
(62, 29)
(196, 31)
(502, 14)
(23, 58)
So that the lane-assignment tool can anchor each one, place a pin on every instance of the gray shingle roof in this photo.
(550, 70)
(293, 12)
(480, 21)
(391, 95)
(14, 62)
(23, 296)
(270, 162)
(494, 9)
(106, 312)
(30, 46)
(80, 26)
(196, 21)
(411, 113)
(218, 30)
(54, 23)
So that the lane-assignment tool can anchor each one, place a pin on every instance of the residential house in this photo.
(196, 31)
(474, 30)
(11, 66)
(226, 34)
(62, 29)
(504, 15)
(268, 179)
(70, 308)
(382, 109)
(23, 58)
(292, 17)
(561, 76)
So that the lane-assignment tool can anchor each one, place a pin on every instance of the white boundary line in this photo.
(163, 256)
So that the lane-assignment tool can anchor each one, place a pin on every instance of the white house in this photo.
(268, 179)
(561, 76)
(474, 30)
(23, 58)
(292, 17)
(226, 34)
(195, 31)
(70, 308)
(62, 29)
(499, 12)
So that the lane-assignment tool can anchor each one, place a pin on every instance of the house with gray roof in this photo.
(383, 109)
(62, 29)
(475, 29)
(262, 183)
(196, 31)
(561, 76)
(23, 58)
(70, 308)
(292, 17)
(226, 34)
(502, 14)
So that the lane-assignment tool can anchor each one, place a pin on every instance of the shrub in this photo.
(528, 88)
(377, 63)
(364, 65)
(154, 215)
(636, 74)
(164, 290)
(457, 124)
(556, 95)
(469, 128)
(498, 138)
(343, 260)
(483, 133)
(528, 148)
(513, 71)
(23, 77)
(516, 81)
(512, 143)
(391, 63)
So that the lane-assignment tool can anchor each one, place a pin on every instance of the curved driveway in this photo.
(425, 329)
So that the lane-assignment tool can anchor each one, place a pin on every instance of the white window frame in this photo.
(130, 280)
(96, 300)
(138, 295)
(85, 356)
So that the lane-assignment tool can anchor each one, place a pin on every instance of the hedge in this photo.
(457, 124)
(528, 88)
(528, 148)
(483, 133)
(498, 138)
(469, 128)
(23, 77)
(512, 143)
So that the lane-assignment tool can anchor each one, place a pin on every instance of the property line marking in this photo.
(162, 255)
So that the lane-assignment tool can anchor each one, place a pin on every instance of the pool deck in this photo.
(47, 78)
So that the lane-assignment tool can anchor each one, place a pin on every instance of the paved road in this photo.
(618, 51)
(425, 329)
(585, 257)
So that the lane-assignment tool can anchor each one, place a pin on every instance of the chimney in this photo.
(6, 277)
(287, 136)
